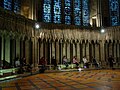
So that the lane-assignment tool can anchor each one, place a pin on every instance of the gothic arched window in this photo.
(12, 5)
(77, 12)
(114, 12)
(67, 11)
(85, 12)
(57, 11)
(47, 11)
(7, 4)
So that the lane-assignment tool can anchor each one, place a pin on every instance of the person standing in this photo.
(111, 60)
(54, 62)
(95, 63)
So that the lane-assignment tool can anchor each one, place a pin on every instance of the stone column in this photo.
(38, 57)
(107, 53)
(74, 49)
(71, 51)
(57, 52)
(90, 51)
(21, 48)
(35, 52)
(41, 49)
(97, 52)
(50, 50)
(102, 53)
(68, 52)
(110, 52)
(106, 47)
(62, 45)
(87, 51)
(18, 47)
(27, 50)
(30, 51)
(7, 49)
(64, 49)
(115, 50)
(81, 54)
(44, 48)
(0, 52)
(39, 45)
(46, 52)
(12, 51)
(3, 49)
(75, 45)
(33, 49)
(61, 51)
(83, 49)
(117, 53)
(93, 49)
(78, 51)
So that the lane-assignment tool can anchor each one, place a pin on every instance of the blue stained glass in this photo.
(77, 12)
(67, 10)
(47, 11)
(85, 12)
(67, 20)
(57, 11)
(114, 12)
(8, 4)
(16, 6)
(77, 21)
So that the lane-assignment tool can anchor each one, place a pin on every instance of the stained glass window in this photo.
(114, 12)
(67, 11)
(77, 12)
(57, 11)
(17, 6)
(47, 11)
(8, 4)
(85, 12)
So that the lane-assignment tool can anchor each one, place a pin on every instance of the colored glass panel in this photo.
(77, 12)
(47, 11)
(85, 12)
(67, 11)
(57, 11)
(114, 12)
(17, 6)
(8, 4)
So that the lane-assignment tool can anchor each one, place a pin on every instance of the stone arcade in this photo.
(18, 37)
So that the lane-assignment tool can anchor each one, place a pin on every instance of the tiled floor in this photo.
(84, 80)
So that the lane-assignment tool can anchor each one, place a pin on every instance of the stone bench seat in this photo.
(61, 66)
(8, 72)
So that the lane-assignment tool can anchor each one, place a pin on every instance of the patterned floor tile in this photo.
(84, 80)
(10, 88)
(80, 86)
